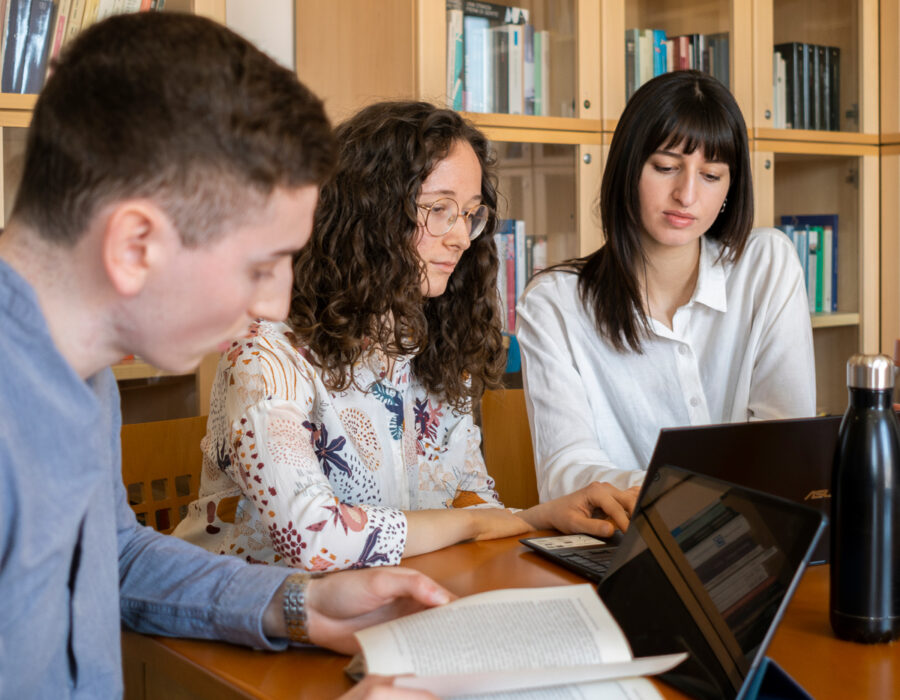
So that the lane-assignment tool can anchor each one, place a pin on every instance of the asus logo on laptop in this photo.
(816, 495)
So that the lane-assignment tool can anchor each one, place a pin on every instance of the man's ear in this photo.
(137, 238)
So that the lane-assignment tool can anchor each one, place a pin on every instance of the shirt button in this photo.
(695, 401)
(682, 349)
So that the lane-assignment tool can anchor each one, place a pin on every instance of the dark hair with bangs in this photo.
(687, 108)
(358, 280)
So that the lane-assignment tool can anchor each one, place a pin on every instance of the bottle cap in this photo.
(870, 372)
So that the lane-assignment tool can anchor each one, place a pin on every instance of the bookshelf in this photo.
(147, 392)
(399, 50)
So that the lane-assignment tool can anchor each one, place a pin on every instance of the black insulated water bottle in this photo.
(865, 508)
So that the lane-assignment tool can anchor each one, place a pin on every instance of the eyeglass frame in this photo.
(459, 214)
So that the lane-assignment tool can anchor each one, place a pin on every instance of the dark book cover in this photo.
(631, 41)
(14, 40)
(37, 46)
(825, 81)
(500, 49)
(792, 53)
(815, 94)
(805, 71)
(835, 72)
(497, 14)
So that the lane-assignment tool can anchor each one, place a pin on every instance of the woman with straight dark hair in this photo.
(685, 316)
(344, 438)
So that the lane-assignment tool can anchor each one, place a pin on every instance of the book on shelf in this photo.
(18, 14)
(554, 642)
(37, 46)
(33, 33)
(812, 85)
(650, 52)
(779, 98)
(497, 61)
(815, 237)
(455, 66)
(477, 65)
(520, 257)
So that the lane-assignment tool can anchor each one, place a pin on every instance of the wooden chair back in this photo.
(161, 464)
(508, 454)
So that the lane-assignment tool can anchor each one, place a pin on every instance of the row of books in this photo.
(816, 239)
(496, 60)
(806, 86)
(34, 31)
(521, 256)
(649, 52)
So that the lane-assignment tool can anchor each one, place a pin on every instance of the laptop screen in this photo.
(707, 567)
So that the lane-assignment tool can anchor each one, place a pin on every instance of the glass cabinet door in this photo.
(823, 202)
(817, 67)
(506, 58)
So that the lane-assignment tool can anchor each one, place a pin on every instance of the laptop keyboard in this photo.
(592, 563)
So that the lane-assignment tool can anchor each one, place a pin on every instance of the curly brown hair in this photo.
(358, 280)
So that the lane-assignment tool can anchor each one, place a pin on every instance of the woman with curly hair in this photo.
(685, 316)
(344, 438)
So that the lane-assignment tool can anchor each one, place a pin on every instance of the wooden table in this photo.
(157, 667)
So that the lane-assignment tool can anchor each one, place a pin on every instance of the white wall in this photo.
(268, 24)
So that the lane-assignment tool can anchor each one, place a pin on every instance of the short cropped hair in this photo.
(171, 107)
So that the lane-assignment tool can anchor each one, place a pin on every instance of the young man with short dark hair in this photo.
(171, 172)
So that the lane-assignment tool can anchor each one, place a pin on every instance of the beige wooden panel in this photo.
(431, 51)
(741, 62)
(890, 251)
(355, 52)
(870, 270)
(214, 9)
(815, 148)
(519, 121)
(890, 67)
(762, 164)
(817, 137)
(589, 175)
(763, 91)
(870, 96)
(500, 133)
(612, 74)
(588, 60)
(508, 454)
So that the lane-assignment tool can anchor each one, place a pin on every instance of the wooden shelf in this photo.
(834, 320)
(138, 369)
(816, 136)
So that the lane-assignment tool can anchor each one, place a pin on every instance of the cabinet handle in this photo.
(586, 158)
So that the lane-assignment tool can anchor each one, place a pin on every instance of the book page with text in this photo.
(506, 639)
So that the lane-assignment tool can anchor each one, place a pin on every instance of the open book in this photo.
(557, 639)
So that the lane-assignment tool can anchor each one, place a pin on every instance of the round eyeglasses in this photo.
(441, 216)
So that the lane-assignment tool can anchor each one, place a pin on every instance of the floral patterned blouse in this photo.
(299, 475)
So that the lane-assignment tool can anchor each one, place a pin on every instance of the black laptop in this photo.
(788, 458)
(707, 567)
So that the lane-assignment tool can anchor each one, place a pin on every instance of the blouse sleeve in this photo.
(475, 488)
(280, 458)
(567, 454)
(783, 382)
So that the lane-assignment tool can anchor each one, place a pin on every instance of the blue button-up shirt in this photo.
(73, 559)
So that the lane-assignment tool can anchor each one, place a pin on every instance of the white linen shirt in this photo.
(740, 349)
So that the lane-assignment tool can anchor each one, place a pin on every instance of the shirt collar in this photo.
(710, 289)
